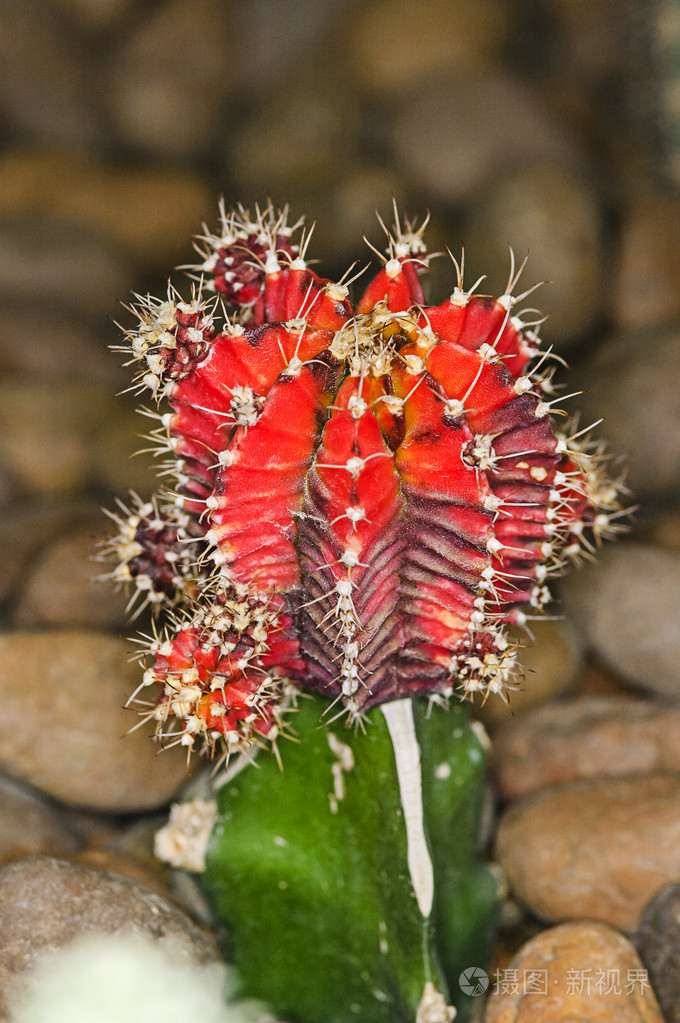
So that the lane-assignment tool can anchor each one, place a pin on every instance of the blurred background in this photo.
(552, 126)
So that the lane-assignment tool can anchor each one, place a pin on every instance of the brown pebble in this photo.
(65, 586)
(664, 531)
(150, 211)
(152, 876)
(584, 738)
(395, 44)
(647, 290)
(63, 727)
(594, 849)
(47, 903)
(575, 973)
(30, 825)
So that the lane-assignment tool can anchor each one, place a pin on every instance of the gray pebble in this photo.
(168, 78)
(55, 261)
(633, 381)
(30, 825)
(551, 214)
(44, 88)
(628, 607)
(658, 942)
(45, 904)
(454, 137)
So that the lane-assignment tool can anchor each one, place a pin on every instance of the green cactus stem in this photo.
(348, 882)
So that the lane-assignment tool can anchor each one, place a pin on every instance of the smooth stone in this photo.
(303, 139)
(65, 585)
(150, 875)
(451, 135)
(26, 527)
(664, 531)
(632, 381)
(275, 50)
(550, 665)
(151, 211)
(627, 607)
(120, 462)
(646, 292)
(575, 973)
(170, 75)
(40, 344)
(49, 430)
(97, 15)
(552, 214)
(44, 89)
(46, 259)
(45, 904)
(63, 728)
(658, 941)
(595, 849)
(396, 44)
(30, 825)
(590, 737)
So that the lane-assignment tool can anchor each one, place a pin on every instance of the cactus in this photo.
(365, 500)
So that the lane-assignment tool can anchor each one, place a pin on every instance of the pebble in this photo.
(61, 264)
(151, 211)
(64, 585)
(153, 876)
(396, 44)
(551, 663)
(97, 15)
(552, 214)
(627, 607)
(594, 736)
(658, 941)
(44, 89)
(63, 729)
(664, 531)
(41, 344)
(30, 825)
(595, 849)
(47, 903)
(632, 381)
(453, 136)
(169, 77)
(646, 292)
(26, 527)
(49, 430)
(306, 134)
(119, 463)
(281, 37)
(575, 973)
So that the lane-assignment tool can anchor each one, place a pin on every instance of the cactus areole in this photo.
(365, 498)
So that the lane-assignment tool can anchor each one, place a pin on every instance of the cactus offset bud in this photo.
(365, 497)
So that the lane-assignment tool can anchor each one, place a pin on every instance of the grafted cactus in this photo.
(366, 499)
